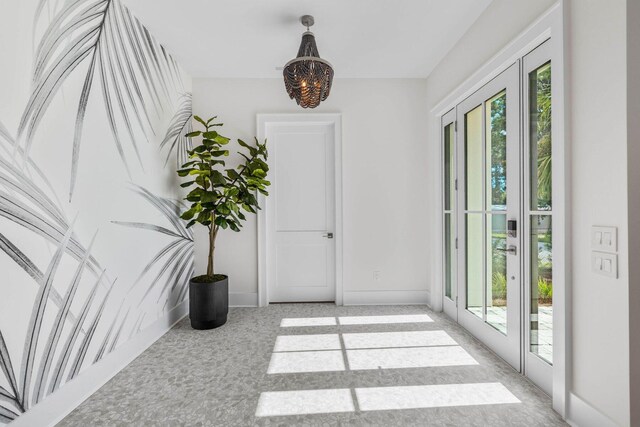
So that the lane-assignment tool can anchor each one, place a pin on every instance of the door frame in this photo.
(549, 26)
(334, 120)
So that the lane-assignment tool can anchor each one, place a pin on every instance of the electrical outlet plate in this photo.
(605, 264)
(376, 276)
(604, 239)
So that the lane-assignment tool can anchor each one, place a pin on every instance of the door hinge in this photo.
(455, 184)
(455, 126)
(456, 301)
(456, 243)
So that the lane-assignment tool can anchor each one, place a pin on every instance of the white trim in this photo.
(334, 119)
(582, 414)
(386, 298)
(552, 24)
(243, 299)
(59, 404)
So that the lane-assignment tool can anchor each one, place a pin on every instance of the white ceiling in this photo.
(361, 38)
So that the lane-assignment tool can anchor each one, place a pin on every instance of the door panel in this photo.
(489, 258)
(301, 213)
(301, 176)
(449, 217)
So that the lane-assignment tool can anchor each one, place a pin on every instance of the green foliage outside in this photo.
(541, 109)
(545, 291)
(540, 101)
(220, 195)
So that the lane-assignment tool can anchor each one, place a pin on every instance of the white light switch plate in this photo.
(604, 238)
(605, 264)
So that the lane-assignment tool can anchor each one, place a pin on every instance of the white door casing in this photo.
(299, 229)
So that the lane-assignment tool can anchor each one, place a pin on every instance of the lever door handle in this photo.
(328, 235)
(512, 250)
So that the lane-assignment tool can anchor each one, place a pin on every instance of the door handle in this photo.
(512, 250)
(328, 235)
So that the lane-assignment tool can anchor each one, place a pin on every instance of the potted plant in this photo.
(219, 197)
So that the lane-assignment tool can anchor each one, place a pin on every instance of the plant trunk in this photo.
(213, 231)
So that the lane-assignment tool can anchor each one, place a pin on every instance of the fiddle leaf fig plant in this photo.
(221, 196)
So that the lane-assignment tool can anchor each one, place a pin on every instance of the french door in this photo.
(488, 200)
(497, 216)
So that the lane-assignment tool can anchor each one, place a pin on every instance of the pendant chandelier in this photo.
(308, 77)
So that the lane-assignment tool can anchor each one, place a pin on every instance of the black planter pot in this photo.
(208, 303)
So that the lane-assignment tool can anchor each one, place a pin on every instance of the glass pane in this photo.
(473, 156)
(449, 179)
(475, 261)
(540, 136)
(497, 272)
(541, 287)
(496, 128)
(449, 248)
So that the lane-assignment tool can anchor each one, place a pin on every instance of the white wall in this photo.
(633, 171)
(599, 196)
(384, 177)
(596, 56)
(36, 211)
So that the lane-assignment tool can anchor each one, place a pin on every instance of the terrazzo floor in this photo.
(318, 364)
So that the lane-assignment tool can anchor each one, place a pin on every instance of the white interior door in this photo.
(300, 212)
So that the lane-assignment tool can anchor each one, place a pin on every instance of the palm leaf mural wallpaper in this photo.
(102, 105)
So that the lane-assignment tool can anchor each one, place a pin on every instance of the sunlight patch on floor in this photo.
(308, 321)
(278, 403)
(304, 402)
(412, 357)
(306, 361)
(373, 320)
(433, 396)
(307, 342)
(397, 339)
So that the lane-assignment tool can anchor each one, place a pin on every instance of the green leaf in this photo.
(186, 184)
(189, 214)
(217, 178)
(208, 197)
(200, 149)
(222, 140)
(259, 173)
(185, 172)
(232, 174)
(198, 119)
(193, 134)
(223, 209)
(204, 217)
(210, 134)
(221, 222)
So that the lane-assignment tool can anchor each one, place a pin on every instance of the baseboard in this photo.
(582, 414)
(243, 299)
(68, 397)
(385, 297)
